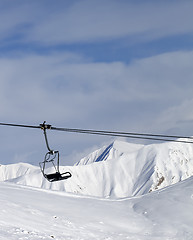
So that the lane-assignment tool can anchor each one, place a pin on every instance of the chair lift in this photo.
(51, 157)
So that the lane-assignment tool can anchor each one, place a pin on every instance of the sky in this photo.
(93, 64)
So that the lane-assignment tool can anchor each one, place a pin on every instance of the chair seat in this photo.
(57, 176)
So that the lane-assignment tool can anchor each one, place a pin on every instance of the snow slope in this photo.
(32, 213)
(119, 170)
(146, 193)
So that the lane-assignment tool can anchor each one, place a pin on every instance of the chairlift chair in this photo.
(52, 158)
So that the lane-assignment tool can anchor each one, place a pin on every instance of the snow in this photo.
(116, 171)
(121, 191)
(32, 213)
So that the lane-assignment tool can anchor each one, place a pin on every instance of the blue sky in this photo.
(110, 65)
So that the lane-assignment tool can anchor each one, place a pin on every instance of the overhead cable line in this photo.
(19, 125)
(126, 134)
(146, 136)
(120, 134)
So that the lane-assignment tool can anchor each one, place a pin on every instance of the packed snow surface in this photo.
(32, 213)
(121, 191)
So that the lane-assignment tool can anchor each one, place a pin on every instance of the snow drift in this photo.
(119, 170)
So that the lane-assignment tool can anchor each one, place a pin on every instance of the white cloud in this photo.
(71, 87)
(177, 118)
(85, 20)
(99, 20)
(68, 91)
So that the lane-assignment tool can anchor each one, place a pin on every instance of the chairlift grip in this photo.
(44, 127)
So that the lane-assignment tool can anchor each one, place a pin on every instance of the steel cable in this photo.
(145, 136)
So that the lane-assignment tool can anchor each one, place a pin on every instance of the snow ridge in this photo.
(118, 170)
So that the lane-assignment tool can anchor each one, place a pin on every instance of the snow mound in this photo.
(13, 171)
(118, 170)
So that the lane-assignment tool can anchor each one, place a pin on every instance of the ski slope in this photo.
(32, 213)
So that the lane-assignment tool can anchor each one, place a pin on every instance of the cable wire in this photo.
(19, 125)
(146, 136)
(126, 134)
